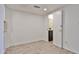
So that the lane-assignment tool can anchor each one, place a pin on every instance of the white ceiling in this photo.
(30, 8)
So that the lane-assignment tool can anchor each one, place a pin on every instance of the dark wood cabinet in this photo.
(50, 35)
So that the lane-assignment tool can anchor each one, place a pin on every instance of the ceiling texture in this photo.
(39, 10)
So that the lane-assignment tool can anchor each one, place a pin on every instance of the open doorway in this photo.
(50, 27)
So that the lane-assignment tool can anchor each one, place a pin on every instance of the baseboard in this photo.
(18, 43)
(73, 51)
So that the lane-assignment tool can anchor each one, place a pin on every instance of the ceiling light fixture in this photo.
(45, 9)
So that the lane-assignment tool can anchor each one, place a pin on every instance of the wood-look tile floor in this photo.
(39, 47)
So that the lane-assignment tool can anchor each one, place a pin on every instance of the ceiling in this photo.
(31, 9)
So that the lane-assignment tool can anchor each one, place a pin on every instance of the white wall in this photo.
(46, 27)
(2, 14)
(24, 27)
(71, 28)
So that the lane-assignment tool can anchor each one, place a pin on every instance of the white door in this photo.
(57, 28)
